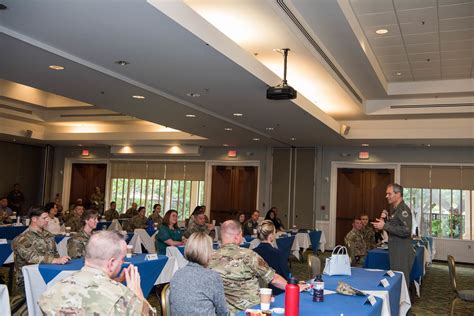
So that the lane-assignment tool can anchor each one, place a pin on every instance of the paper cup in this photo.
(265, 298)
(129, 251)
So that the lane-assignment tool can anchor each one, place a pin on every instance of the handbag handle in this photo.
(339, 250)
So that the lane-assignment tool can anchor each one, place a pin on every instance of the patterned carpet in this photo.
(436, 293)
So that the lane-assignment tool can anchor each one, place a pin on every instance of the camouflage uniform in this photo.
(156, 218)
(75, 223)
(240, 270)
(137, 222)
(33, 247)
(249, 226)
(356, 246)
(90, 292)
(131, 212)
(194, 228)
(76, 245)
(368, 234)
(111, 214)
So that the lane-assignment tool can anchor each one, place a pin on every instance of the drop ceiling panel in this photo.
(441, 31)
(413, 4)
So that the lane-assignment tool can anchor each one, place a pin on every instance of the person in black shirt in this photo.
(272, 215)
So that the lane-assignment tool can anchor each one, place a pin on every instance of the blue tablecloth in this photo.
(10, 232)
(101, 225)
(369, 280)
(379, 259)
(149, 270)
(5, 251)
(333, 305)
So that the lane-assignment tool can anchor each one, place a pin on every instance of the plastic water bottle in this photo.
(318, 290)
(292, 298)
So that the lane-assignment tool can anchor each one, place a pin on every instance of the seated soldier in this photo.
(198, 225)
(111, 213)
(92, 290)
(76, 245)
(355, 244)
(131, 211)
(35, 245)
(156, 215)
(139, 220)
(5, 211)
(368, 232)
(74, 221)
(251, 225)
(240, 270)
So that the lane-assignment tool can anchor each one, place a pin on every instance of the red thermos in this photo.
(292, 298)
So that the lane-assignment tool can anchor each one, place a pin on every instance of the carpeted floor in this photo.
(436, 293)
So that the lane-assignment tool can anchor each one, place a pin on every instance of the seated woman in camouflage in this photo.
(76, 245)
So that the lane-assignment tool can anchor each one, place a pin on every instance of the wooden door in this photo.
(359, 191)
(233, 189)
(85, 177)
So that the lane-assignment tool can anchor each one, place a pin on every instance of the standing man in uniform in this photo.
(398, 227)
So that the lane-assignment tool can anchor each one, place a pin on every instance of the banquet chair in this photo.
(165, 301)
(463, 295)
(314, 265)
(315, 237)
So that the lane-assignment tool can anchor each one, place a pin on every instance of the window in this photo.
(441, 199)
(174, 185)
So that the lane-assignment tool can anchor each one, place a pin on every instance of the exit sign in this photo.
(232, 153)
(364, 155)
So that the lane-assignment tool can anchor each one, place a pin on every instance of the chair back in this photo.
(452, 272)
(285, 244)
(165, 301)
(314, 265)
(315, 237)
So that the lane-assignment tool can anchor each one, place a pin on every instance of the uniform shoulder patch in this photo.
(405, 214)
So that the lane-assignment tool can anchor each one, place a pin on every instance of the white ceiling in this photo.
(174, 50)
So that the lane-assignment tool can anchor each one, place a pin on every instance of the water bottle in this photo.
(292, 298)
(318, 290)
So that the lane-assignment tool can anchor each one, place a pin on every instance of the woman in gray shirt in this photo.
(194, 289)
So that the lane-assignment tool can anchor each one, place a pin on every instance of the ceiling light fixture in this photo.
(292, 138)
(398, 73)
(193, 95)
(381, 31)
(56, 67)
(140, 97)
(122, 62)
(190, 115)
(269, 128)
(238, 114)
(227, 129)
(364, 145)
(225, 145)
(256, 139)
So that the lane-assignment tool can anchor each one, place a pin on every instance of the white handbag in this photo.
(339, 263)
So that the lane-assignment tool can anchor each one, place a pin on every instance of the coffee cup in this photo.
(68, 231)
(155, 226)
(265, 298)
(129, 251)
(214, 222)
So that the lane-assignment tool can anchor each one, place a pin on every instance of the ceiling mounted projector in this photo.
(283, 91)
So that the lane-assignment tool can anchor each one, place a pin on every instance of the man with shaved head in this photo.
(91, 291)
(240, 269)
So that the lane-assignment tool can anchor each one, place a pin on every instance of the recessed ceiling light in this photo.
(80, 145)
(56, 67)
(364, 145)
(398, 73)
(381, 31)
(140, 97)
(190, 115)
(238, 114)
(256, 139)
(122, 62)
(193, 95)
(227, 129)
(269, 128)
(225, 145)
(293, 138)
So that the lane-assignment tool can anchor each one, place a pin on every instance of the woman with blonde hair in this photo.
(266, 232)
(194, 287)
